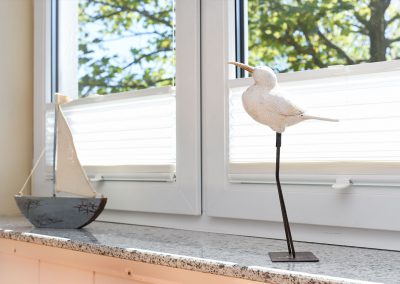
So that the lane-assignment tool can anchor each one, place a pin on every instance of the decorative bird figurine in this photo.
(265, 105)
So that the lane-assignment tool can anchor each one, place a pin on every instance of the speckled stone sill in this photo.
(256, 273)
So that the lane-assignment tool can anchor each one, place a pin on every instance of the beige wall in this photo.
(16, 94)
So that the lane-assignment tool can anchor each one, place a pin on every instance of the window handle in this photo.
(342, 183)
(96, 178)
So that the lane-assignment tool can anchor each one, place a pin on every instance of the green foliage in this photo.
(294, 35)
(128, 44)
(125, 45)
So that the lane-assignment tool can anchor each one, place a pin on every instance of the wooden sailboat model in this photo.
(69, 177)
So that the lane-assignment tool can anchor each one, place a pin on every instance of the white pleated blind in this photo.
(367, 104)
(133, 129)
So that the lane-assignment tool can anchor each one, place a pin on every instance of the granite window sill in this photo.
(220, 254)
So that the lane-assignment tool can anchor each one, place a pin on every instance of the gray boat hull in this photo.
(60, 212)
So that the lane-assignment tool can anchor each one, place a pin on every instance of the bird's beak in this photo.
(243, 66)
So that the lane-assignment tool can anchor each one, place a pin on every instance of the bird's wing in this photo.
(280, 105)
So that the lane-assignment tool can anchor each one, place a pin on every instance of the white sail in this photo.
(70, 176)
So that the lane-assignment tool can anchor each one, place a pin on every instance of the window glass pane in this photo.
(295, 35)
(125, 45)
(368, 131)
(135, 130)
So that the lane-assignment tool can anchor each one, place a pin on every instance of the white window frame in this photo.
(310, 199)
(246, 209)
(182, 196)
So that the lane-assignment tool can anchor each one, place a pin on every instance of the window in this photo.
(312, 35)
(365, 141)
(108, 47)
(118, 46)
(240, 154)
(238, 192)
(139, 135)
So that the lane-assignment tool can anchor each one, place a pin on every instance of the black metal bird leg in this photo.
(291, 256)
(288, 233)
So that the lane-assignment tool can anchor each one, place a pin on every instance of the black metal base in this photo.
(303, 256)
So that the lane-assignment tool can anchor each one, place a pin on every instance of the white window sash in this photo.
(132, 191)
(310, 199)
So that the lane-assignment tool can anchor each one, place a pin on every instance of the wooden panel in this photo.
(66, 266)
(165, 275)
(107, 279)
(51, 273)
(18, 270)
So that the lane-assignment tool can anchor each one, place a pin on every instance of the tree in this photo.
(125, 45)
(129, 44)
(295, 35)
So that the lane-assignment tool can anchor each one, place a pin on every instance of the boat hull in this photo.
(60, 212)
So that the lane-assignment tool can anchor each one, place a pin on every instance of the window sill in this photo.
(242, 257)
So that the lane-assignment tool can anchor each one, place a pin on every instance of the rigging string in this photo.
(30, 175)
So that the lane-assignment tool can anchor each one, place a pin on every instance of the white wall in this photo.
(16, 94)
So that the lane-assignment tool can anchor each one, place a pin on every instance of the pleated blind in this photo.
(367, 104)
(135, 129)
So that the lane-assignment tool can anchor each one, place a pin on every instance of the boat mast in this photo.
(55, 143)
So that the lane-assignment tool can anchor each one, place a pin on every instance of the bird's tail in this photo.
(320, 118)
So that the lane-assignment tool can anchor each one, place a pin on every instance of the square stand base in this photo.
(304, 256)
